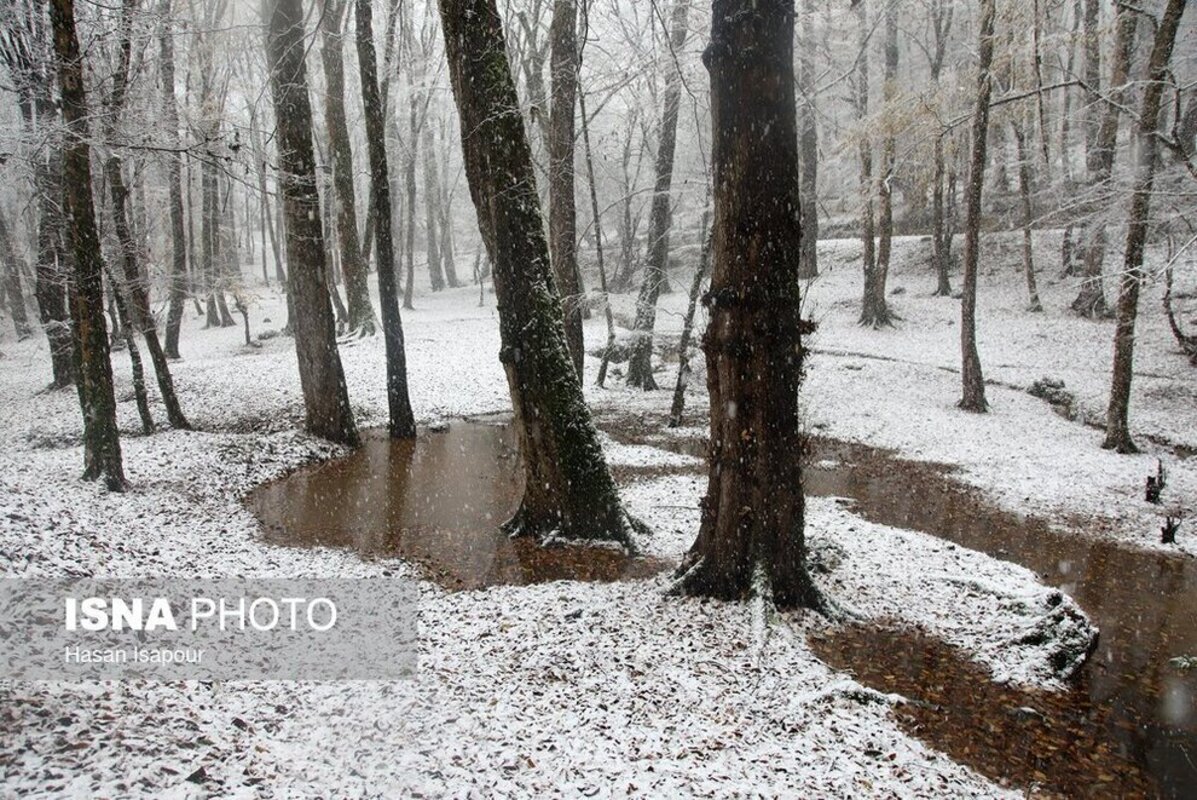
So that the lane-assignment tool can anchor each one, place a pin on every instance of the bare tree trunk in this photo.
(402, 421)
(568, 491)
(942, 13)
(874, 312)
(640, 367)
(130, 339)
(12, 282)
(137, 313)
(598, 243)
(972, 379)
(178, 234)
(432, 217)
(1024, 191)
(751, 540)
(101, 437)
(53, 274)
(357, 292)
(563, 220)
(326, 398)
(1100, 156)
(683, 348)
(885, 187)
(808, 147)
(1147, 154)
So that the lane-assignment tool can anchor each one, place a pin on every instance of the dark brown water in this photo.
(1129, 728)
(1128, 698)
(437, 502)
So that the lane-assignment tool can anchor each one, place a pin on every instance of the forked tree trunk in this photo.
(1147, 154)
(101, 437)
(640, 367)
(360, 313)
(563, 220)
(402, 421)
(972, 379)
(325, 396)
(751, 539)
(178, 233)
(568, 491)
(1091, 300)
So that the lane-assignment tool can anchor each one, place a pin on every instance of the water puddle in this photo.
(1128, 728)
(437, 502)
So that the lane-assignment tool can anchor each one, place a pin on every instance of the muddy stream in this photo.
(1127, 729)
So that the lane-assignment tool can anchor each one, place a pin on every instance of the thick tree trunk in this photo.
(353, 266)
(808, 147)
(640, 367)
(874, 312)
(178, 234)
(402, 421)
(568, 491)
(325, 396)
(12, 282)
(972, 379)
(751, 539)
(101, 438)
(563, 220)
(1117, 428)
(1100, 155)
(53, 275)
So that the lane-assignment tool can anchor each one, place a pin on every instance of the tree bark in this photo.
(101, 437)
(972, 379)
(12, 282)
(683, 348)
(137, 313)
(568, 491)
(353, 266)
(751, 539)
(1024, 192)
(808, 148)
(640, 368)
(885, 188)
(874, 312)
(1100, 156)
(178, 234)
(598, 243)
(402, 421)
(563, 220)
(1147, 155)
(326, 398)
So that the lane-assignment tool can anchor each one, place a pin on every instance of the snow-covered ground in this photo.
(576, 689)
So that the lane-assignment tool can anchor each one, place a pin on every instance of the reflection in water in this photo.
(437, 501)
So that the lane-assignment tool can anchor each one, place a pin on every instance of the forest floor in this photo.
(566, 687)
